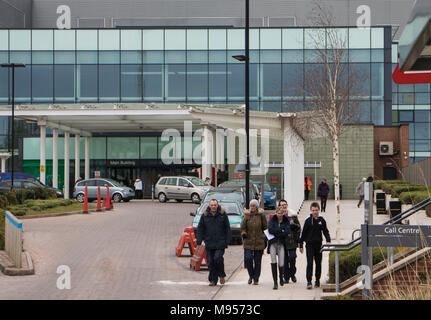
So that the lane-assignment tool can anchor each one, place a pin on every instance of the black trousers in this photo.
(215, 264)
(313, 254)
(253, 263)
(306, 193)
(289, 263)
(361, 198)
(323, 203)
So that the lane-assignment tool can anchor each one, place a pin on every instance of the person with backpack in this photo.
(322, 192)
(252, 227)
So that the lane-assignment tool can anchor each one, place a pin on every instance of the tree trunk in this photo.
(336, 161)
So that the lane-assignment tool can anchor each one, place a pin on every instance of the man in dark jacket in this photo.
(311, 233)
(214, 229)
(323, 192)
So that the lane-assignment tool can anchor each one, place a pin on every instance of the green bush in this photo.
(414, 197)
(2, 231)
(398, 189)
(351, 260)
(11, 198)
(378, 184)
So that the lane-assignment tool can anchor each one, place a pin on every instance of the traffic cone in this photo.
(108, 199)
(99, 205)
(85, 209)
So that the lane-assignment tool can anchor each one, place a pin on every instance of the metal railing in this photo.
(13, 238)
(337, 247)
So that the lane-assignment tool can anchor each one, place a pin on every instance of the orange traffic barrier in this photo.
(198, 257)
(192, 233)
(85, 209)
(185, 238)
(108, 199)
(99, 205)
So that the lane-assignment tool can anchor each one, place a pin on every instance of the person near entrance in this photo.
(323, 192)
(252, 227)
(214, 230)
(307, 187)
(292, 241)
(311, 233)
(360, 190)
(138, 188)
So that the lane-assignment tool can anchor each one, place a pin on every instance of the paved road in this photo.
(125, 254)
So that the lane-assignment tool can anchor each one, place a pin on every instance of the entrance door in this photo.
(389, 173)
(125, 175)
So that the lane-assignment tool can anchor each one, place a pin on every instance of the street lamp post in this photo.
(13, 66)
(246, 58)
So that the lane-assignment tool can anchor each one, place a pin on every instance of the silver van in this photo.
(181, 188)
(117, 191)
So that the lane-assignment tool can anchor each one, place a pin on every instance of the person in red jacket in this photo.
(307, 187)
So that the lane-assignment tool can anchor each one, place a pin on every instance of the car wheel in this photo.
(116, 197)
(196, 198)
(179, 200)
(162, 197)
(80, 198)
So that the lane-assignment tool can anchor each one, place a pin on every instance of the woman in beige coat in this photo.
(252, 227)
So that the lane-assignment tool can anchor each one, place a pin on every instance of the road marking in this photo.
(199, 283)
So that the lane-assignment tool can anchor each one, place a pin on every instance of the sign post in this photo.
(367, 252)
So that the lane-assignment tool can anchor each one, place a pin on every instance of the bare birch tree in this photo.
(332, 90)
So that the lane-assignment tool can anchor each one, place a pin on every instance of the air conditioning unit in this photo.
(386, 148)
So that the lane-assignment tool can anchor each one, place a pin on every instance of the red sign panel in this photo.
(273, 179)
(410, 78)
(237, 175)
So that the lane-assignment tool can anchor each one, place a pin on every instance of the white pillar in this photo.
(66, 163)
(220, 136)
(42, 168)
(77, 157)
(293, 166)
(87, 157)
(3, 164)
(55, 158)
(207, 152)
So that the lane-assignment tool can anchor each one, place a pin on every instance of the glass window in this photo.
(131, 40)
(153, 39)
(148, 147)
(217, 82)
(422, 145)
(175, 39)
(217, 56)
(97, 147)
(64, 57)
(378, 113)
(292, 56)
(377, 81)
(422, 87)
(271, 106)
(406, 98)
(20, 57)
(271, 81)
(422, 131)
(197, 82)
(131, 83)
(64, 39)
(183, 182)
(235, 83)
(42, 39)
(131, 57)
(422, 116)
(255, 56)
(314, 39)
(217, 39)
(109, 39)
(109, 83)
(254, 82)
(289, 106)
(359, 55)
(4, 79)
(292, 86)
(255, 39)
(377, 38)
(175, 57)
(4, 40)
(64, 79)
(312, 56)
(42, 57)
(270, 39)
(406, 116)
(236, 39)
(395, 53)
(176, 82)
(171, 182)
(394, 117)
(363, 111)
(87, 57)
(152, 82)
(109, 57)
(422, 98)
(197, 56)
(361, 71)
(23, 90)
(86, 39)
(270, 56)
(405, 88)
(4, 56)
(20, 39)
(162, 181)
(232, 53)
(293, 39)
(86, 86)
(123, 147)
(340, 38)
(197, 39)
(154, 56)
(377, 55)
(42, 83)
(359, 38)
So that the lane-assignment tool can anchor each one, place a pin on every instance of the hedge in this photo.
(351, 260)
(398, 189)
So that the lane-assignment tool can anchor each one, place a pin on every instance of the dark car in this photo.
(28, 183)
(239, 185)
(226, 194)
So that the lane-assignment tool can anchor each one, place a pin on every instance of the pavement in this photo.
(351, 218)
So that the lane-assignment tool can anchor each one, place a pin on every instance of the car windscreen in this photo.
(115, 183)
(225, 196)
(230, 208)
(197, 182)
(266, 187)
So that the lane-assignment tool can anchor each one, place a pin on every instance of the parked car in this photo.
(181, 188)
(16, 175)
(117, 191)
(234, 212)
(239, 184)
(226, 194)
(270, 197)
(28, 183)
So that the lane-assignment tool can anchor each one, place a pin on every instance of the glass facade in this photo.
(411, 105)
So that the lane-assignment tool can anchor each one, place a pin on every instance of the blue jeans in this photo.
(290, 264)
(253, 262)
(215, 264)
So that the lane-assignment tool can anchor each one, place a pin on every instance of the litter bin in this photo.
(394, 208)
(381, 203)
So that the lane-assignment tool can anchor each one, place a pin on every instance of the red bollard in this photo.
(85, 209)
(99, 205)
(198, 257)
(185, 238)
(108, 199)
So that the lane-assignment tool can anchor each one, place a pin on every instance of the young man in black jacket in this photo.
(214, 229)
(311, 233)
